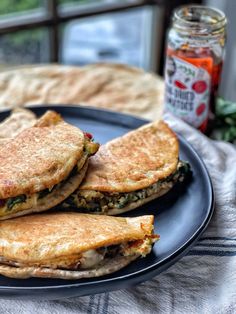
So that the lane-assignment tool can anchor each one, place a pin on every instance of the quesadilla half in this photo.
(129, 171)
(72, 245)
(42, 165)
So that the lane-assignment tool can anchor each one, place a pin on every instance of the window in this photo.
(34, 31)
(120, 37)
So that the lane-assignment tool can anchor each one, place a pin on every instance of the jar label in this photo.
(187, 91)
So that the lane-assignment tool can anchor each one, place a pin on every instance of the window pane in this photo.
(24, 47)
(110, 38)
(13, 6)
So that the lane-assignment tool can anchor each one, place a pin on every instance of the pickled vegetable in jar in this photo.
(194, 59)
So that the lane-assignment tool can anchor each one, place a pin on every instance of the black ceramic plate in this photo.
(180, 216)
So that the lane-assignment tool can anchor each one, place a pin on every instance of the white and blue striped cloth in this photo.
(204, 281)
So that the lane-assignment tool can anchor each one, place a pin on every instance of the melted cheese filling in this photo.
(92, 258)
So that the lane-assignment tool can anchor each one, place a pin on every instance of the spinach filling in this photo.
(45, 192)
(103, 202)
(182, 172)
(12, 201)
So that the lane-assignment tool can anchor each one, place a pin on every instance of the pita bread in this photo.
(130, 171)
(111, 86)
(109, 267)
(41, 165)
(19, 120)
(134, 161)
(39, 157)
(29, 243)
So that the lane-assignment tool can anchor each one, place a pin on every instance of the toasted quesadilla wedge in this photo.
(129, 171)
(72, 245)
(42, 165)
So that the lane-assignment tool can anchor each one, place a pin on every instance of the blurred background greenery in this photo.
(11, 6)
(26, 46)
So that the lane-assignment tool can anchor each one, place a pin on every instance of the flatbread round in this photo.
(19, 120)
(111, 86)
(110, 266)
(40, 156)
(134, 161)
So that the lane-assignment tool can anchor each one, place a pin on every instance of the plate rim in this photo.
(174, 256)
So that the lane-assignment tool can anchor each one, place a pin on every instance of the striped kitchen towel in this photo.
(204, 281)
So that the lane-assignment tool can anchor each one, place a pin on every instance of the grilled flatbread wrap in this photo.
(129, 171)
(72, 245)
(42, 165)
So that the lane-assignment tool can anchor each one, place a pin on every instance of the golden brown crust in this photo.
(41, 237)
(134, 161)
(39, 157)
(108, 267)
(58, 195)
(19, 120)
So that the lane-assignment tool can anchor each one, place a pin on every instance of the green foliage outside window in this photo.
(26, 46)
(11, 6)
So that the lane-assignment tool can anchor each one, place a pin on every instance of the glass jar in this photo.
(194, 59)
